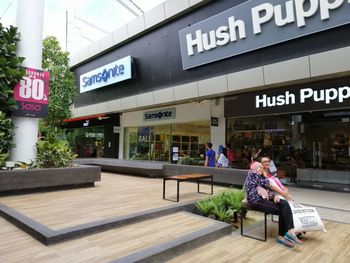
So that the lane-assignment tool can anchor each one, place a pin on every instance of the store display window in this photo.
(312, 140)
(158, 143)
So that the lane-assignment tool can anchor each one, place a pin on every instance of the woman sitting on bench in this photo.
(260, 198)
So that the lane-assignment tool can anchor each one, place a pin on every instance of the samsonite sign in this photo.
(289, 100)
(111, 73)
(256, 24)
(32, 94)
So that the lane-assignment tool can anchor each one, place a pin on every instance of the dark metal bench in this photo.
(247, 207)
(190, 177)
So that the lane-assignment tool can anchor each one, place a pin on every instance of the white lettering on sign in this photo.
(219, 37)
(280, 100)
(31, 88)
(111, 73)
(160, 115)
(305, 95)
(292, 11)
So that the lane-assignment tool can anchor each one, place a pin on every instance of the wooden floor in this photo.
(17, 246)
(330, 247)
(115, 195)
(119, 195)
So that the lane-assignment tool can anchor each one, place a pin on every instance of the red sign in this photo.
(32, 94)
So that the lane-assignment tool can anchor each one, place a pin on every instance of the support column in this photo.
(30, 17)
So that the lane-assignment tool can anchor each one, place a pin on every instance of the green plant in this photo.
(224, 205)
(62, 81)
(11, 71)
(3, 158)
(233, 199)
(205, 207)
(6, 135)
(221, 213)
(53, 154)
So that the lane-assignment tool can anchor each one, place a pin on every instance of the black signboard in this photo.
(310, 97)
(214, 121)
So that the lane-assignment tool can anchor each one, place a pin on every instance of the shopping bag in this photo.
(306, 218)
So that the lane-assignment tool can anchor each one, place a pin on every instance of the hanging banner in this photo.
(32, 94)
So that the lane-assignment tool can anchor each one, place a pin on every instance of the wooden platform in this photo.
(102, 247)
(115, 195)
(118, 195)
(318, 247)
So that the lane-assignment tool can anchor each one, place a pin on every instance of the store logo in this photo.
(164, 114)
(109, 74)
(326, 96)
(256, 24)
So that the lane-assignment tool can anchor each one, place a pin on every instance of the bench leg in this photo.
(198, 185)
(163, 188)
(212, 183)
(256, 238)
(178, 190)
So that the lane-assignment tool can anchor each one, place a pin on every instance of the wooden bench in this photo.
(249, 208)
(190, 177)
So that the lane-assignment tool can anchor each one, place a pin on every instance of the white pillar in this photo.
(30, 16)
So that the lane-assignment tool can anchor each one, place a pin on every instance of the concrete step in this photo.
(154, 240)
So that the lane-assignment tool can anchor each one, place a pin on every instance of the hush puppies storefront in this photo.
(274, 75)
(304, 129)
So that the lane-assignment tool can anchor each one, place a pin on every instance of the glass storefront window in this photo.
(156, 142)
(317, 140)
(87, 142)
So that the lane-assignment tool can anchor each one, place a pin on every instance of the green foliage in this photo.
(3, 158)
(62, 81)
(233, 199)
(6, 135)
(54, 154)
(205, 207)
(11, 71)
(223, 205)
(222, 213)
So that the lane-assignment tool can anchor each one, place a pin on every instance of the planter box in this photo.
(17, 180)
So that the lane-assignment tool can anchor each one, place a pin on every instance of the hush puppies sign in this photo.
(256, 24)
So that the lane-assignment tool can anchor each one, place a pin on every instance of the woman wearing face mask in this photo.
(262, 199)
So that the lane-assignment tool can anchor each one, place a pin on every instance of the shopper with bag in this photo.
(304, 218)
(261, 198)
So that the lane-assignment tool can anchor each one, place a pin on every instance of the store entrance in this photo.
(306, 147)
(87, 142)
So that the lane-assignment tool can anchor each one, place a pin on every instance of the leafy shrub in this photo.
(205, 207)
(6, 135)
(224, 205)
(233, 199)
(54, 154)
(11, 70)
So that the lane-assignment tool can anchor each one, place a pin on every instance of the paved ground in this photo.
(330, 205)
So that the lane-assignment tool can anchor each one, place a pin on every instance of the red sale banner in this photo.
(32, 94)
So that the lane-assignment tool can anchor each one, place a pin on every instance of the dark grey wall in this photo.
(158, 60)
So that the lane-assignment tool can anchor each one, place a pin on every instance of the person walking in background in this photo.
(220, 148)
(222, 161)
(209, 156)
(230, 155)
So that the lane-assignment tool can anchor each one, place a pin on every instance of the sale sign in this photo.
(32, 94)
